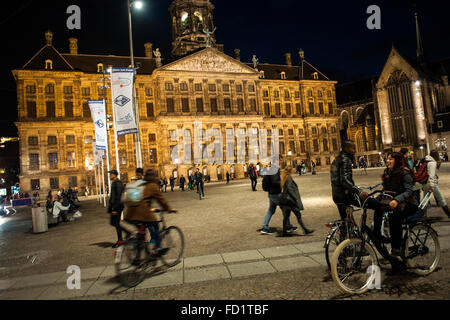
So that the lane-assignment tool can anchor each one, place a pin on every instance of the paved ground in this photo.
(225, 257)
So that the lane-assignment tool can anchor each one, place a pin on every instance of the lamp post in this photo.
(138, 5)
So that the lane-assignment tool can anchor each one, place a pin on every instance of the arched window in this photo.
(283, 75)
(48, 64)
(100, 67)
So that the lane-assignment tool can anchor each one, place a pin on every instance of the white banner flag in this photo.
(98, 155)
(99, 117)
(122, 97)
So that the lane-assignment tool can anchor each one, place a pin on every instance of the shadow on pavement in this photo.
(103, 244)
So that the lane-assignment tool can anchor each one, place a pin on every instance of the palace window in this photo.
(54, 183)
(267, 109)
(50, 88)
(153, 156)
(292, 146)
(330, 108)
(278, 109)
(101, 91)
(298, 109)
(226, 87)
(35, 184)
(240, 102)
(302, 147)
(170, 105)
(227, 104)
(301, 132)
(276, 94)
(123, 157)
(53, 160)
(314, 130)
(288, 109)
(31, 89)
(287, 95)
(199, 104)
(86, 110)
(51, 140)
(320, 107)
(31, 109)
(86, 91)
(315, 75)
(311, 108)
(297, 94)
(87, 139)
(33, 141)
(121, 139)
(71, 159)
(266, 93)
(68, 109)
(333, 129)
(72, 181)
(198, 87)
(335, 145)
(152, 137)
(283, 75)
(316, 145)
(291, 132)
(213, 104)
(329, 93)
(70, 139)
(100, 67)
(67, 89)
(169, 86)
(319, 93)
(148, 92)
(325, 145)
(310, 93)
(185, 104)
(150, 110)
(34, 161)
(48, 64)
(251, 88)
(212, 87)
(324, 130)
(183, 86)
(239, 88)
(253, 105)
(50, 109)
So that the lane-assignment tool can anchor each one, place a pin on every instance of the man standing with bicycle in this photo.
(115, 207)
(343, 187)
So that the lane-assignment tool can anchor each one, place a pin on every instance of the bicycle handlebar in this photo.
(369, 187)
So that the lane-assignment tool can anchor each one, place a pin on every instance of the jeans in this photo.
(286, 215)
(200, 188)
(153, 228)
(274, 201)
(437, 195)
(254, 182)
(115, 222)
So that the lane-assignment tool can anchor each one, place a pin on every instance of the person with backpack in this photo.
(138, 205)
(116, 206)
(433, 163)
(410, 164)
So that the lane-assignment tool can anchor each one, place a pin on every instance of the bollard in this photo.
(40, 222)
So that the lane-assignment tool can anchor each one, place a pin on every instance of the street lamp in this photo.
(138, 5)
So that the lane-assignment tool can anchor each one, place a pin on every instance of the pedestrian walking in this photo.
(313, 166)
(116, 206)
(172, 183)
(434, 163)
(228, 177)
(165, 184)
(182, 182)
(290, 200)
(191, 182)
(272, 185)
(253, 176)
(199, 181)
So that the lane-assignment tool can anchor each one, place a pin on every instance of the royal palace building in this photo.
(197, 83)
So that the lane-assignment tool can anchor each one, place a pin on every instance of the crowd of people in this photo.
(58, 206)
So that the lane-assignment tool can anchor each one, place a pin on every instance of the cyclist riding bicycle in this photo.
(343, 187)
(143, 212)
(199, 182)
(398, 181)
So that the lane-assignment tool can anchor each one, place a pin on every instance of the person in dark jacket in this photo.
(272, 185)
(343, 187)
(182, 182)
(172, 183)
(398, 180)
(253, 176)
(199, 182)
(116, 206)
(289, 186)
(228, 177)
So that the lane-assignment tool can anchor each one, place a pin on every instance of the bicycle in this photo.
(341, 230)
(131, 266)
(349, 269)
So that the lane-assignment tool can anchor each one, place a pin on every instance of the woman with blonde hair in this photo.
(290, 201)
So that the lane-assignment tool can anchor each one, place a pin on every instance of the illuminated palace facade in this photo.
(199, 84)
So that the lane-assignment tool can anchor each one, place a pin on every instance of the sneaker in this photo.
(267, 231)
(161, 251)
(292, 229)
(308, 231)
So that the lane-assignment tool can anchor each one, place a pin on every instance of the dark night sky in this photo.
(333, 34)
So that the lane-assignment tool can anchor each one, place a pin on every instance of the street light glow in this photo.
(138, 4)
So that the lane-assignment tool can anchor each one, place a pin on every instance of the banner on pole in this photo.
(98, 155)
(122, 97)
(98, 112)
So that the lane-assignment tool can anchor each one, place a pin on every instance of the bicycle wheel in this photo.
(128, 263)
(173, 239)
(331, 244)
(350, 269)
(422, 250)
